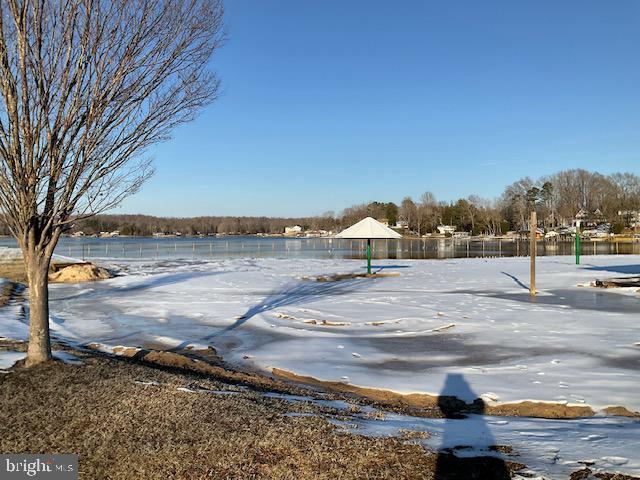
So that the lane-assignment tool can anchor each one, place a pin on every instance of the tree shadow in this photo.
(297, 294)
(626, 269)
(152, 281)
(595, 299)
(460, 431)
(384, 267)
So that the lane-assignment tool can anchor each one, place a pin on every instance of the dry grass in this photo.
(13, 269)
(124, 429)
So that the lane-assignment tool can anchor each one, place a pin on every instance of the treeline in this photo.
(146, 225)
(556, 198)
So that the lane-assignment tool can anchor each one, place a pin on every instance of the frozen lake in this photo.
(207, 248)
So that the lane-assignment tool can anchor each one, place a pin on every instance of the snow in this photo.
(551, 448)
(368, 228)
(437, 320)
(9, 357)
(407, 333)
(7, 253)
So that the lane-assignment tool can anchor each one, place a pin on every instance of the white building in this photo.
(295, 230)
(446, 229)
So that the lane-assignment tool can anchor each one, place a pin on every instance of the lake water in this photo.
(251, 246)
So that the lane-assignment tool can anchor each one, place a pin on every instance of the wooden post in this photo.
(533, 227)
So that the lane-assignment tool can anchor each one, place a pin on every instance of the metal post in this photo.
(532, 251)
(368, 256)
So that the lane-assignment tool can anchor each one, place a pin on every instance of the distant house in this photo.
(383, 221)
(631, 217)
(402, 224)
(292, 231)
(78, 234)
(317, 233)
(584, 218)
(446, 229)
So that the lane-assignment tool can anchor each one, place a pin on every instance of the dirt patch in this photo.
(60, 272)
(618, 282)
(620, 411)
(539, 409)
(213, 367)
(586, 474)
(77, 272)
(430, 405)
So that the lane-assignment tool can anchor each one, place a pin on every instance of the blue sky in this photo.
(330, 103)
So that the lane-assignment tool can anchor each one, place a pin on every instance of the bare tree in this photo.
(86, 86)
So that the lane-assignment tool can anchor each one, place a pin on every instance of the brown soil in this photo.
(586, 474)
(60, 272)
(77, 272)
(130, 421)
(429, 405)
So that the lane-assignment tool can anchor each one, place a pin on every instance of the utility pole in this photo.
(578, 246)
(533, 227)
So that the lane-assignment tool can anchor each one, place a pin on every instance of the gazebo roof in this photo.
(368, 228)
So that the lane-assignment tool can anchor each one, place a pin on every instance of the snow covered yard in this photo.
(405, 333)
(463, 327)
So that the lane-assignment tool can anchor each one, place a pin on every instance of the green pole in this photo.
(577, 246)
(368, 256)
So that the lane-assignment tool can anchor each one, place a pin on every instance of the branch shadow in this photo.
(459, 429)
(296, 294)
(515, 279)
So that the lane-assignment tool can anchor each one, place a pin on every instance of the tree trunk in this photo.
(39, 343)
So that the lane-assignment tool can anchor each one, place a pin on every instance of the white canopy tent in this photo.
(368, 229)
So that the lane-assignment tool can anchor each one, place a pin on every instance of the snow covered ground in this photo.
(466, 319)
(549, 448)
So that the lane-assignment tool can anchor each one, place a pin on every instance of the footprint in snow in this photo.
(563, 385)
(357, 355)
(592, 438)
(555, 361)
